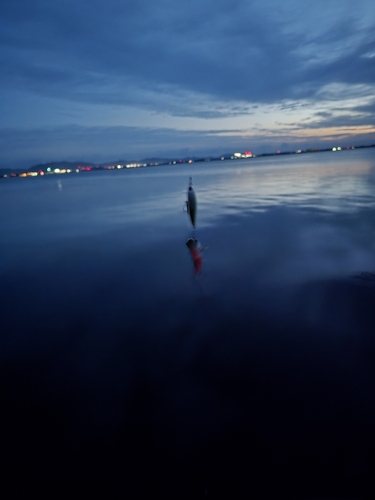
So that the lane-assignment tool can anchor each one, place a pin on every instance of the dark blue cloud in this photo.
(115, 52)
(23, 148)
(203, 60)
(103, 144)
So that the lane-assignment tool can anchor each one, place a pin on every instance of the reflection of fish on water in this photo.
(196, 250)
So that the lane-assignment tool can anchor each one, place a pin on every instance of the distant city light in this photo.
(235, 156)
(136, 165)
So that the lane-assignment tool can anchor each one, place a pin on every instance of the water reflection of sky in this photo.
(104, 326)
(321, 181)
(143, 206)
(33, 209)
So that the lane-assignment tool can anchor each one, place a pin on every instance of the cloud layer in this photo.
(211, 60)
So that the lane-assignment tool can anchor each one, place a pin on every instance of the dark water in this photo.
(120, 372)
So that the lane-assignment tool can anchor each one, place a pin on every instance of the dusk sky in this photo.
(100, 80)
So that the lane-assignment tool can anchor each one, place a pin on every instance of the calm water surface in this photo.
(114, 356)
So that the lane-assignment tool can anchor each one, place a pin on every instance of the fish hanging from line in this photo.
(191, 203)
(193, 244)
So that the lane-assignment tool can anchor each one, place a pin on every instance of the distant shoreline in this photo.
(56, 168)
